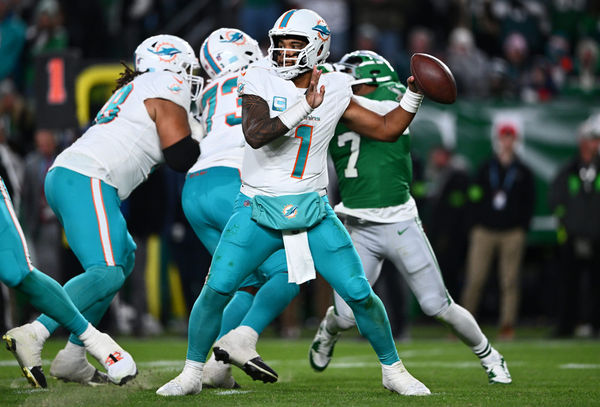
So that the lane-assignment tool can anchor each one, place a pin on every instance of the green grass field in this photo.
(545, 373)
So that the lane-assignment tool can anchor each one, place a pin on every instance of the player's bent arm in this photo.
(179, 149)
(259, 128)
(372, 125)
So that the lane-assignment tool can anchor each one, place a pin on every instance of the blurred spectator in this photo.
(568, 17)
(586, 75)
(538, 84)
(88, 29)
(12, 39)
(446, 216)
(500, 87)
(575, 199)
(389, 17)
(469, 65)
(337, 15)
(558, 51)
(11, 165)
(420, 40)
(17, 118)
(39, 223)
(503, 199)
(526, 17)
(486, 27)
(366, 36)
(256, 18)
(516, 52)
(45, 34)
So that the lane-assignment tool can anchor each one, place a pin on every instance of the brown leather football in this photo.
(434, 78)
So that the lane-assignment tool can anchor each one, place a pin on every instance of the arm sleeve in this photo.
(182, 155)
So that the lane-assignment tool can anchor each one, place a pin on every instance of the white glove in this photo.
(197, 127)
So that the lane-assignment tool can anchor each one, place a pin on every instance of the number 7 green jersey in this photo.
(373, 174)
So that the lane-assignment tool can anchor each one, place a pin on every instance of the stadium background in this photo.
(525, 62)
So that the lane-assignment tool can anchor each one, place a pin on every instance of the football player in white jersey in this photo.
(289, 114)
(17, 271)
(384, 222)
(210, 190)
(144, 123)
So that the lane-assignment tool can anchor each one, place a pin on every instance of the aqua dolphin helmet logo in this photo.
(234, 37)
(322, 30)
(166, 52)
(290, 211)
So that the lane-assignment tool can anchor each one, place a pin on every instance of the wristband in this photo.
(296, 113)
(411, 101)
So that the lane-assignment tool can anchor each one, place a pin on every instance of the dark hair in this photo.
(126, 76)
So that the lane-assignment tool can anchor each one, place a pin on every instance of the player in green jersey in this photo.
(374, 182)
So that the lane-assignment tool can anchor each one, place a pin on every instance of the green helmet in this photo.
(367, 67)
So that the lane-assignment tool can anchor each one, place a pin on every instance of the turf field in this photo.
(545, 373)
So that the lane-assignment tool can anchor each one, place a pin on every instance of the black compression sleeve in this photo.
(182, 155)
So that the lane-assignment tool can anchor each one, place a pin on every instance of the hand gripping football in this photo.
(434, 78)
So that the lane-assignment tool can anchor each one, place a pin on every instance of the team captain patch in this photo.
(279, 104)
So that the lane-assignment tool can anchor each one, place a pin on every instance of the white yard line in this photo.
(580, 366)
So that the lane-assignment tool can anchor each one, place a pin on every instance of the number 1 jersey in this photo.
(296, 162)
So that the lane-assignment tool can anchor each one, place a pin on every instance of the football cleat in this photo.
(321, 348)
(239, 349)
(397, 379)
(496, 368)
(70, 367)
(182, 385)
(25, 345)
(218, 375)
(118, 363)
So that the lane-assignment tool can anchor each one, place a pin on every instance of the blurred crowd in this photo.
(529, 51)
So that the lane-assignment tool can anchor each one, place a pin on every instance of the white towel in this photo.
(301, 267)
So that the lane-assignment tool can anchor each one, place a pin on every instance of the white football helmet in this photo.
(228, 50)
(308, 25)
(169, 53)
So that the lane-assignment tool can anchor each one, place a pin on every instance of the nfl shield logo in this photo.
(279, 104)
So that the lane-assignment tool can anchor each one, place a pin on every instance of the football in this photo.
(434, 78)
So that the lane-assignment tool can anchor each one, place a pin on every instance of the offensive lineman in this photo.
(289, 113)
(382, 219)
(48, 296)
(144, 123)
(209, 193)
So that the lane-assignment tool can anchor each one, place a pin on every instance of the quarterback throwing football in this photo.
(289, 115)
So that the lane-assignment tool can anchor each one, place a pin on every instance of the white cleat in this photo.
(238, 347)
(397, 379)
(118, 363)
(72, 367)
(182, 385)
(26, 346)
(218, 375)
(496, 368)
(321, 348)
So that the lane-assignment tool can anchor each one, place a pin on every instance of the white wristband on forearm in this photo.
(411, 101)
(296, 113)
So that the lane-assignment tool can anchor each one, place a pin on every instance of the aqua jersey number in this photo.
(111, 109)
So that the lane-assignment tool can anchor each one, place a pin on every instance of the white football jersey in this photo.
(223, 144)
(122, 146)
(297, 162)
